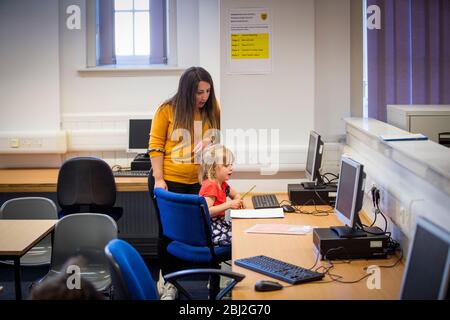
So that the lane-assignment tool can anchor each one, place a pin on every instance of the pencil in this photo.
(248, 191)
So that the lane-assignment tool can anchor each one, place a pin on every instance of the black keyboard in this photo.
(131, 173)
(278, 269)
(265, 201)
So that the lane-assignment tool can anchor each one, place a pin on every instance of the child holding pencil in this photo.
(215, 171)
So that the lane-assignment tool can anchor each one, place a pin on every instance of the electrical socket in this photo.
(14, 142)
(26, 143)
(38, 142)
(402, 214)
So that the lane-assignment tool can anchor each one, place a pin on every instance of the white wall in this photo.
(127, 92)
(209, 46)
(29, 65)
(284, 98)
(87, 101)
(188, 32)
(295, 97)
(332, 73)
(309, 86)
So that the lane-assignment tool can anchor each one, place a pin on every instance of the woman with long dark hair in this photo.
(181, 128)
(179, 122)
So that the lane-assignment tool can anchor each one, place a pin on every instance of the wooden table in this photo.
(19, 236)
(299, 250)
(138, 224)
(45, 180)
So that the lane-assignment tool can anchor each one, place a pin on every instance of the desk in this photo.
(19, 236)
(138, 224)
(298, 250)
(45, 180)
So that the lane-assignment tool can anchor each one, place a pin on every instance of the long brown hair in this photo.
(183, 102)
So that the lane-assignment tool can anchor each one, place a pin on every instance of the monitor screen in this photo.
(314, 158)
(350, 191)
(138, 135)
(427, 271)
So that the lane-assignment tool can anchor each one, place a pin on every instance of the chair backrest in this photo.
(184, 217)
(130, 275)
(85, 181)
(83, 234)
(29, 208)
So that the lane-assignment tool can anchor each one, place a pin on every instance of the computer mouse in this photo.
(266, 285)
(288, 208)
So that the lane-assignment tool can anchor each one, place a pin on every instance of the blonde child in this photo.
(215, 171)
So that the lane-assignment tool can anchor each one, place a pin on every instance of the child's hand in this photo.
(239, 197)
(236, 204)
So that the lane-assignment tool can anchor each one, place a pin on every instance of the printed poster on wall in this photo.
(249, 41)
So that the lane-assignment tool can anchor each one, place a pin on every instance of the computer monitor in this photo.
(349, 199)
(138, 135)
(314, 161)
(426, 276)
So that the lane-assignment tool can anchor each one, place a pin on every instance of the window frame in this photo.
(133, 59)
(167, 59)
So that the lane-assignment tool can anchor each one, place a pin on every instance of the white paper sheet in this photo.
(280, 229)
(257, 213)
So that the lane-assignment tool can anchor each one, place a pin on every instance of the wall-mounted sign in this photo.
(249, 41)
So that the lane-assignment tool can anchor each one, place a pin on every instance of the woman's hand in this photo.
(160, 183)
(236, 204)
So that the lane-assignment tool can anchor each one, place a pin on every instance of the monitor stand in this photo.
(347, 232)
(312, 185)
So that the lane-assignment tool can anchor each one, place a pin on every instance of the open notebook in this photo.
(257, 213)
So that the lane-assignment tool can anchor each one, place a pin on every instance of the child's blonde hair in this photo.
(214, 155)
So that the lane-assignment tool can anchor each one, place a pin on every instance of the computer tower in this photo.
(298, 195)
(141, 162)
(332, 247)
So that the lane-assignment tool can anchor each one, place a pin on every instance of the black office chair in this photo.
(86, 184)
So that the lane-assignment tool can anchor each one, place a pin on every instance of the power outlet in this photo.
(26, 143)
(402, 215)
(17, 142)
(38, 143)
(14, 142)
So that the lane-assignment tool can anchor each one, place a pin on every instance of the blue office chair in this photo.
(186, 231)
(133, 281)
(86, 184)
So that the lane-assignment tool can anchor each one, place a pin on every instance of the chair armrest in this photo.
(175, 276)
